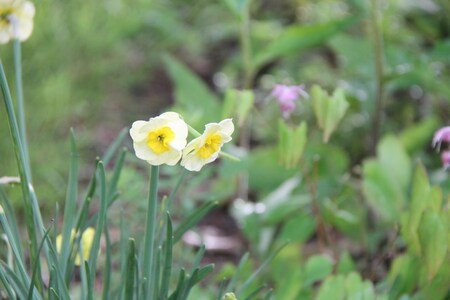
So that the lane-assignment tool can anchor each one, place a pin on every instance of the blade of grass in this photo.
(7, 286)
(198, 257)
(268, 295)
(181, 279)
(34, 274)
(69, 207)
(14, 281)
(156, 273)
(130, 271)
(101, 221)
(193, 219)
(221, 289)
(233, 282)
(201, 274)
(107, 269)
(123, 250)
(255, 292)
(54, 294)
(25, 176)
(9, 212)
(116, 175)
(90, 192)
(109, 153)
(51, 284)
(259, 270)
(167, 261)
(13, 244)
(150, 231)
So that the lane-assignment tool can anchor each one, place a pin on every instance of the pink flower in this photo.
(442, 135)
(445, 157)
(287, 96)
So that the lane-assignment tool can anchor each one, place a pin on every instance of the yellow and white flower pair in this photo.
(163, 140)
(16, 20)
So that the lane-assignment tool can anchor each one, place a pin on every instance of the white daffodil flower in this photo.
(161, 139)
(16, 20)
(205, 149)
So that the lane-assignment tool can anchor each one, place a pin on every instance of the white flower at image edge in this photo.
(16, 20)
(205, 149)
(161, 139)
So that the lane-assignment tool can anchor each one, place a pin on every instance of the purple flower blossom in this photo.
(442, 135)
(445, 157)
(287, 96)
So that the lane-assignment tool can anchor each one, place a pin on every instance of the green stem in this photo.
(150, 232)
(378, 62)
(32, 212)
(246, 46)
(20, 102)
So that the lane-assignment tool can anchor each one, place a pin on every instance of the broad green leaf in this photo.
(433, 234)
(357, 289)
(291, 143)
(329, 110)
(420, 195)
(298, 38)
(346, 264)
(393, 157)
(317, 267)
(298, 228)
(193, 98)
(403, 275)
(332, 288)
(386, 179)
(381, 192)
(337, 107)
(414, 138)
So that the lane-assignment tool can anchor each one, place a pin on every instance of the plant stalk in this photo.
(20, 102)
(150, 232)
(378, 63)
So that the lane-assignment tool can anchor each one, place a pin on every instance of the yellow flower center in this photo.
(5, 13)
(212, 145)
(158, 140)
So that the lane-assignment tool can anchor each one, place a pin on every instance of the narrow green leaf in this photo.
(298, 38)
(193, 219)
(7, 286)
(101, 221)
(167, 271)
(259, 270)
(107, 268)
(198, 257)
(255, 292)
(233, 282)
(69, 207)
(54, 294)
(9, 212)
(35, 268)
(15, 282)
(115, 177)
(112, 149)
(130, 270)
